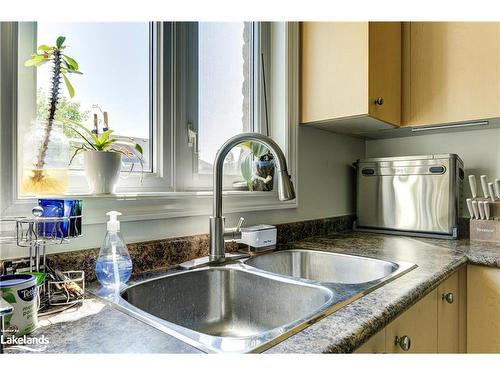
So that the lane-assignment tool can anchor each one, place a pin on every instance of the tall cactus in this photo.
(62, 64)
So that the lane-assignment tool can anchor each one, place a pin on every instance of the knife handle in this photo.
(484, 185)
(471, 210)
(497, 188)
(473, 185)
(486, 205)
(476, 210)
(491, 192)
(481, 209)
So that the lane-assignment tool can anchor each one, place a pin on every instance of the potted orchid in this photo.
(102, 158)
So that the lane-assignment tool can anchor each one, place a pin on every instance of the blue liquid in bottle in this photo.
(112, 273)
(114, 266)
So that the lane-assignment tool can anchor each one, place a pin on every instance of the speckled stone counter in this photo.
(101, 328)
(96, 327)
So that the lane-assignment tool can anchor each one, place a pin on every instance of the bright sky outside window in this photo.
(115, 60)
(224, 89)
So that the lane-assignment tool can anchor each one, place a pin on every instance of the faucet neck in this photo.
(280, 163)
(217, 228)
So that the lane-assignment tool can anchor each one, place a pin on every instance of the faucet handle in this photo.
(240, 223)
(234, 234)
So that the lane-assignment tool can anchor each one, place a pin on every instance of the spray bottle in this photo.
(113, 266)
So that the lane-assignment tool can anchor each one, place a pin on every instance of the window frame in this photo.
(159, 180)
(150, 202)
(188, 178)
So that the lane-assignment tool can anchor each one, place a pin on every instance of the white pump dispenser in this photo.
(113, 266)
(113, 224)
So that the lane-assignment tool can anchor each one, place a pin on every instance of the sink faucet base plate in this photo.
(206, 261)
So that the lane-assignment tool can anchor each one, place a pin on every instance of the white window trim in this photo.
(160, 180)
(153, 204)
(187, 178)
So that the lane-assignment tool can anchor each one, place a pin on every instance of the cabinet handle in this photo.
(448, 297)
(404, 342)
(379, 100)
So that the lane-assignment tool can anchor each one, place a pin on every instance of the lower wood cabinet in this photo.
(435, 324)
(375, 345)
(415, 331)
(452, 313)
(483, 309)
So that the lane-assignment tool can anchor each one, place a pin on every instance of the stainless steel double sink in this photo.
(251, 304)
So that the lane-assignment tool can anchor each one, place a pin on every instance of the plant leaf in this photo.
(36, 60)
(104, 136)
(60, 41)
(70, 88)
(247, 144)
(246, 170)
(71, 62)
(259, 150)
(139, 148)
(80, 126)
(106, 144)
(44, 47)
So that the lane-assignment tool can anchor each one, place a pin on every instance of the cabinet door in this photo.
(376, 344)
(385, 71)
(483, 309)
(418, 324)
(448, 315)
(453, 72)
(334, 70)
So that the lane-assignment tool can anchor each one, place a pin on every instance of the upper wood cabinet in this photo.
(451, 72)
(358, 77)
(350, 70)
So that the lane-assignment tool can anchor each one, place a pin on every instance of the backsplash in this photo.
(163, 254)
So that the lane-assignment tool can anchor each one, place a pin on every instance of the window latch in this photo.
(192, 137)
(192, 142)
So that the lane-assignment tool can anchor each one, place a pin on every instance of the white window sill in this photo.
(160, 205)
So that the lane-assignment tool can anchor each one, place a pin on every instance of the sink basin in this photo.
(248, 306)
(238, 309)
(323, 266)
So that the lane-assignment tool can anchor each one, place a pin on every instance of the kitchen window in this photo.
(183, 89)
(225, 85)
(117, 63)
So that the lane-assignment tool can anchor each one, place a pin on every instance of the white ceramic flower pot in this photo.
(102, 170)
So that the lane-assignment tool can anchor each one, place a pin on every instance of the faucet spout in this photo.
(285, 186)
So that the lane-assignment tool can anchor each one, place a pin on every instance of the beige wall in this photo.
(326, 189)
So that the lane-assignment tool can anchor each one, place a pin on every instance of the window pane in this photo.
(115, 61)
(224, 90)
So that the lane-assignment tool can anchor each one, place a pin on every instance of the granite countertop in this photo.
(97, 327)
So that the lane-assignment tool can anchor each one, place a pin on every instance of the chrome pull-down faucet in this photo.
(217, 231)
(285, 186)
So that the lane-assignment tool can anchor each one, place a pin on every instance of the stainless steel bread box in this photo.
(412, 195)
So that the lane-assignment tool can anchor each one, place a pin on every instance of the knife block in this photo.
(487, 230)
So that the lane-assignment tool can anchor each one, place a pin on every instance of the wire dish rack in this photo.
(35, 234)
